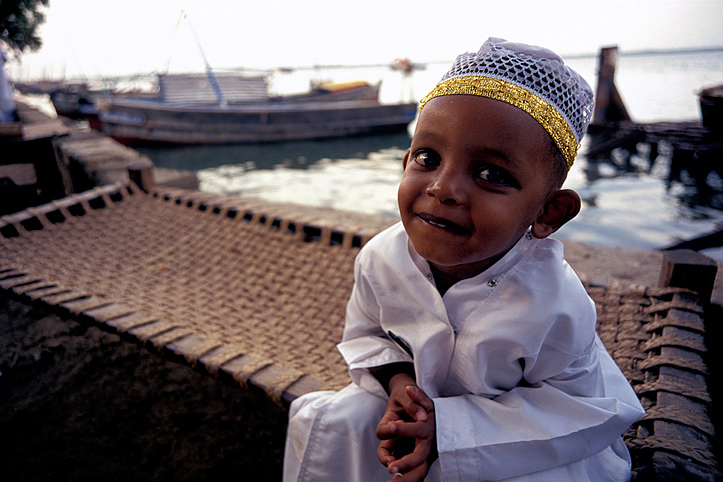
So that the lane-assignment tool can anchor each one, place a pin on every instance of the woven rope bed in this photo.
(256, 294)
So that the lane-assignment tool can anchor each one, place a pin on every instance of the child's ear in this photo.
(560, 207)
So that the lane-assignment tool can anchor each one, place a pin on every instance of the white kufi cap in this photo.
(531, 78)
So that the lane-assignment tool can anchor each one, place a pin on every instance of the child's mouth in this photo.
(445, 224)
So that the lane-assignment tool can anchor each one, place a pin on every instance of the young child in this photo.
(470, 341)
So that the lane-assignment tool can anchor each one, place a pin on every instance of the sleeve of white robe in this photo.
(364, 343)
(529, 429)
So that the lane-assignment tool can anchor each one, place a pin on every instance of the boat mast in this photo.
(209, 71)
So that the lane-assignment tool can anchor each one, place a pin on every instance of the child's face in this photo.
(475, 178)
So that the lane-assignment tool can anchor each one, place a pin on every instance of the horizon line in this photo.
(581, 55)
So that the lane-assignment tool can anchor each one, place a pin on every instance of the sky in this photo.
(104, 38)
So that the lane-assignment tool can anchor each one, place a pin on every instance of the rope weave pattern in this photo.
(655, 335)
(231, 281)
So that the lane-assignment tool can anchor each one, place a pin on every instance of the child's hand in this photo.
(407, 431)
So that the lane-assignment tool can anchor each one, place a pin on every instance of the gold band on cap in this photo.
(540, 110)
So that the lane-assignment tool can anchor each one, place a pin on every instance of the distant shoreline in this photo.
(248, 70)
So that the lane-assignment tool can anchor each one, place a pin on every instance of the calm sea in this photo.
(630, 204)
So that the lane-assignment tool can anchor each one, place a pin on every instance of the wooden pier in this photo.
(612, 126)
(694, 146)
(45, 158)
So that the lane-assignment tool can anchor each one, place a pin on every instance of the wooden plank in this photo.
(685, 268)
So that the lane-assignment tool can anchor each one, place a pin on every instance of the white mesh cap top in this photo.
(531, 78)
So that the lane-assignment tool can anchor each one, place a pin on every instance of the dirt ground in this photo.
(80, 404)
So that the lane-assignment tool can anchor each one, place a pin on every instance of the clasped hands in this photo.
(407, 431)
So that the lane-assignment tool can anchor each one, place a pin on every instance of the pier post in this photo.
(685, 268)
(141, 173)
(609, 106)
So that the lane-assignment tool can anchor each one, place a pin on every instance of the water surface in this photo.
(628, 200)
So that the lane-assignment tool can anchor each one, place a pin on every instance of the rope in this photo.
(251, 367)
(679, 416)
(690, 449)
(661, 341)
(673, 361)
(679, 389)
(214, 362)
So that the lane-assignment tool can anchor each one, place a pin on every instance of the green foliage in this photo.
(19, 22)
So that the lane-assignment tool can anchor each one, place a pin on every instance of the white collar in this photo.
(491, 274)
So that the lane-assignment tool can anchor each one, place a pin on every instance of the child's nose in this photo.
(447, 186)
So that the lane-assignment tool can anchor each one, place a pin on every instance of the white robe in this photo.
(522, 386)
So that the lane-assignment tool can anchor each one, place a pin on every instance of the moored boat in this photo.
(76, 104)
(224, 109)
(143, 121)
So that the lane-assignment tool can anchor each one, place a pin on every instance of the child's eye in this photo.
(496, 175)
(426, 158)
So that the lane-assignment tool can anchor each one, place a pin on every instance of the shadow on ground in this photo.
(77, 403)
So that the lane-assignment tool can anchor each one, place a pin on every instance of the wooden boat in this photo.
(210, 88)
(76, 103)
(132, 122)
(335, 91)
(224, 109)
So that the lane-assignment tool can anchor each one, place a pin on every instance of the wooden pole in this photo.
(141, 173)
(685, 268)
(609, 106)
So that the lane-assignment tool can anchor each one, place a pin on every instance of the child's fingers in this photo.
(419, 397)
(411, 461)
(382, 430)
(419, 405)
(417, 474)
(424, 445)
(414, 430)
(391, 450)
(384, 452)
